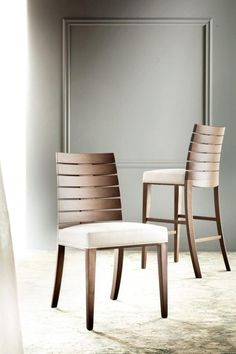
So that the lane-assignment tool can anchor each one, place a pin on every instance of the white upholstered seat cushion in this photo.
(111, 234)
(165, 176)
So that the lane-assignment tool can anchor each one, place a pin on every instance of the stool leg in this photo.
(163, 275)
(177, 211)
(146, 213)
(190, 227)
(144, 257)
(219, 227)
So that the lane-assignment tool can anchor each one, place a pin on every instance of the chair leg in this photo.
(58, 276)
(190, 228)
(90, 266)
(219, 227)
(117, 272)
(144, 257)
(162, 269)
(146, 212)
(177, 211)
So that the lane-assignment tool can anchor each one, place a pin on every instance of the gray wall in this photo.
(44, 126)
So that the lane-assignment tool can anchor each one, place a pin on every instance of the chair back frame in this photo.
(87, 189)
(203, 160)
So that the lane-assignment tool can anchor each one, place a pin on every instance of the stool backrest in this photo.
(203, 161)
(87, 188)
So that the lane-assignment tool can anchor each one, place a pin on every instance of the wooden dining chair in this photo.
(202, 170)
(90, 218)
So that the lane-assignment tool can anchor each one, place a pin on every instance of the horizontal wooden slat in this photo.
(205, 183)
(212, 149)
(203, 179)
(202, 166)
(207, 139)
(203, 157)
(88, 192)
(194, 175)
(84, 169)
(62, 157)
(89, 204)
(88, 181)
(208, 238)
(207, 129)
(89, 216)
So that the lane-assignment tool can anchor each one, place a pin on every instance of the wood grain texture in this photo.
(70, 158)
(117, 272)
(90, 268)
(87, 181)
(87, 188)
(207, 139)
(58, 275)
(177, 211)
(86, 169)
(207, 129)
(203, 178)
(163, 278)
(205, 148)
(164, 221)
(203, 160)
(89, 216)
(146, 213)
(203, 157)
(207, 238)
(87, 192)
(88, 204)
(202, 166)
(219, 227)
(190, 228)
(200, 217)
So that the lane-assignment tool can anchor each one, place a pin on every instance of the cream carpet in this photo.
(202, 312)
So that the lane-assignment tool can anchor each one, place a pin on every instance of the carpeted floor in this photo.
(202, 312)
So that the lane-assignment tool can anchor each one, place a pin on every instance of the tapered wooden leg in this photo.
(146, 214)
(90, 266)
(177, 211)
(117, 272)
(163, 284)
(58, 276)
(190, 228)
(219, 227)
(144, 257)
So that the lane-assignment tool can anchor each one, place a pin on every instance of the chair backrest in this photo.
(87, 188)
(203, 161)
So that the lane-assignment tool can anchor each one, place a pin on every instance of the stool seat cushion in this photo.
(165, 176)
(111, 234)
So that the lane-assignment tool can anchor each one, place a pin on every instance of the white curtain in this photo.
(10, 332)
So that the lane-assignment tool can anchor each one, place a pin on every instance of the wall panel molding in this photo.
(69, 24)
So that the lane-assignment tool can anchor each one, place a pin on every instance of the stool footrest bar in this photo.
(209, 238)
(166, 221)
(199, 217)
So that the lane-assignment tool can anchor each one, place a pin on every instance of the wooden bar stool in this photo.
(202, 170)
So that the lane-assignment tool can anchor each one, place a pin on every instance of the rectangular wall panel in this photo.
(135, 88)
